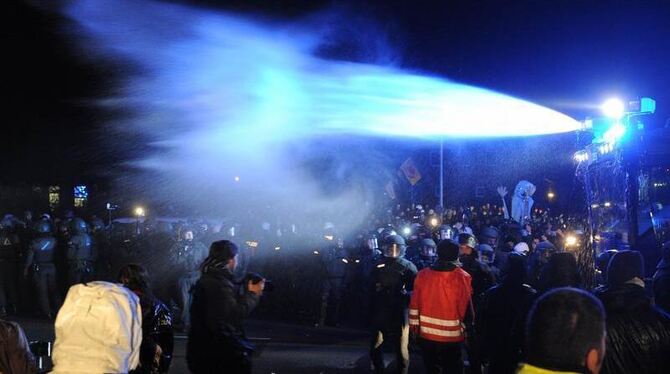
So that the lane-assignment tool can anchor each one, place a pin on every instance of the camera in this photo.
(256, 278)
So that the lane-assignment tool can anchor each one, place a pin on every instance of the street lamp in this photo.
(550, 195)
(139, 212)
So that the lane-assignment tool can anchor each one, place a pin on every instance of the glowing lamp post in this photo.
(139, 212)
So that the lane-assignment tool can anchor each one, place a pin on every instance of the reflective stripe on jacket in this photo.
(439, 304)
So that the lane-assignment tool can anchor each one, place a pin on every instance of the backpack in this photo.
(98, 330)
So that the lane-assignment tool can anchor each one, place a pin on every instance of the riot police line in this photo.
(50, 255)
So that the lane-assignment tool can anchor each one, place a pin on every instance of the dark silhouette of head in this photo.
(565, 331)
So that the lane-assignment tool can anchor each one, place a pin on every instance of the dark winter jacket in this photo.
(217, 314)
(15, 356)
(662, 285)
(392, 282)
(482, 277)
(156, 331)
(638, 333)
(502, 315)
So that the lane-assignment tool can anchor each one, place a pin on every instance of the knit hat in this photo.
(447, 250)
(624, 266)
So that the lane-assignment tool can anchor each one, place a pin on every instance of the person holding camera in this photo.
(216, 341)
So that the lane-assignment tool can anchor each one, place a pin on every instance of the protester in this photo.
(157, 339)
(662, 279)
(217, 342)
(501, 317)
(565, 333)
(560, 271)
(440, 304)
(638, 333)
(98, 330)
(15, 355)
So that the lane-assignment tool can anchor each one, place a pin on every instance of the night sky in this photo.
(567, 55)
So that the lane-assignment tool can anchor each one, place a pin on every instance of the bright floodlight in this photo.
(139, 211)
(613, 108)
(406, 230)
(571, 241)
(550, 195)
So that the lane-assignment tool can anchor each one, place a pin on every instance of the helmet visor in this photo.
(392, 250)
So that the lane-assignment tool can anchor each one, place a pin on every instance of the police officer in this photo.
(369, 256)
(9, 255)
(190, 255)
(427, 254)
(482, 276)
(482, 280)
(79, 253)
(392, 281)
(445, 232)
(40, 258)
(334, 267)
(487, 255)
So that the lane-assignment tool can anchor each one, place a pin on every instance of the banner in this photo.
(411, 172)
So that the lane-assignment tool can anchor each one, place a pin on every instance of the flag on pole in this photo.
(411, 172)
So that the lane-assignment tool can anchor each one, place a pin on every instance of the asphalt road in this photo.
(282, 348)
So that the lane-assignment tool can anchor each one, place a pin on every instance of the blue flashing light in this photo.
(645, 105)
(614, 133)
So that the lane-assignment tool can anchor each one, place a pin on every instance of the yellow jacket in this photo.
(530, 369)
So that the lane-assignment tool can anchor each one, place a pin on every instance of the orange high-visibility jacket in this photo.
(439, 304)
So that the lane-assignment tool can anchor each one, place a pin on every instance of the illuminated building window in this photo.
(54, 196)
(80, 196)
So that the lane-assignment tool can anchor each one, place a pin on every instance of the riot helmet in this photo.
(486, 253)
(6, 224)
(79, 226)
(371, 242)
(97, 225)
(467, 240)
(428, 248)
(445, 232)
(393, 246)
(385, 232)
(467, 243)
(43, 227)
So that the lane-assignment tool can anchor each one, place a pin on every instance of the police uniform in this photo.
(79, 253)
(392, 282)
(40, 258)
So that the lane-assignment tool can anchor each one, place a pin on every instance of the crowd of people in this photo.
(475, 288)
